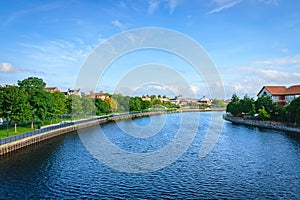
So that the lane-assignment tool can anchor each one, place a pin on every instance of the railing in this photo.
(263, 124)
(46, 129)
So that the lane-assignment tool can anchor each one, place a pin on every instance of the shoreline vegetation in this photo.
(263, 112)
(263, 124)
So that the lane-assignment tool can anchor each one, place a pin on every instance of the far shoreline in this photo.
(262, 124)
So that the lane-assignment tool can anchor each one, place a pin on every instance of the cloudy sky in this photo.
(251, 42)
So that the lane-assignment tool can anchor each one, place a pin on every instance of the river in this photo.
(244, 163)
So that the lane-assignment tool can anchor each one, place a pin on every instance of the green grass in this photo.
(20, 129)
(27, 127)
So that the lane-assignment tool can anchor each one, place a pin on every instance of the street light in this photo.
(7, 130)
(32, 125)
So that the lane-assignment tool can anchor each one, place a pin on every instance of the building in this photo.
(72, 92)
(205, 101)
(281, 95)
(51, 89)
(98, 95)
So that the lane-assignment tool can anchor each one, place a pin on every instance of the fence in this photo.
(46, 129)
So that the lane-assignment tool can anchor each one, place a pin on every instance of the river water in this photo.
(245, 163)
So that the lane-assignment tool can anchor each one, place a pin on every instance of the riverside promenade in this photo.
(262, 124)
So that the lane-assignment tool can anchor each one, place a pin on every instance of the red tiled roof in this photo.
(276, 90)
(295, 89)
(282, 90)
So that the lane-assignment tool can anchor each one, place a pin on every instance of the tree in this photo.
(14, 102)
(234, 107)
(153, 97)
(88, 105)
(266, 102)
(32, 83)
(42, 102)
(293, 111)
(102, 106)
(247, 104)
(39, 99)
(146, 105)
(135, 104)
(157, 102)
(59, 105)
(263, 114)
(280, 113)
(113, 104)
(74, 105)
(218, 103)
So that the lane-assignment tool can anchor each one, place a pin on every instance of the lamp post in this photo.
(32, 123)
(7, 130)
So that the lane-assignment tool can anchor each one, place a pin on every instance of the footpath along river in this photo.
(245, 163)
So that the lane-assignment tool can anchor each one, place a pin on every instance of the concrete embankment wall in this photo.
(18, 144)
(262, 124)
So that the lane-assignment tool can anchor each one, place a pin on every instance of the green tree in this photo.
(32, 83)
(135, 104)
(266, 102)
(234, 107)
(39, 99)
(14, 102)
(279, 113)
(75, 107)
(102, 106)
(146, 105)
(42, 102)
(218, 103)
(293, 111)
(59, 105)
(113, 104)
(263, 114)
(88, 105)
(157, 102)
(247, 104)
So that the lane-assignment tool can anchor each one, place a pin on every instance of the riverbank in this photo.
(262, 124)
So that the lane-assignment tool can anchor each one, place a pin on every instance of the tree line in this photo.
(28, 101)
(264, 108)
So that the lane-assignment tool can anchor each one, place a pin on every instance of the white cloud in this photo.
(288, 60)
(153, 5)
(21, 13)
(250, 79)
(173, 4)
(7, 67)
(224, 4)
(118, 24)
(280, 77)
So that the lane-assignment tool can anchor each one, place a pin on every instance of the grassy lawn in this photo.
(20, 129)
(27, 127)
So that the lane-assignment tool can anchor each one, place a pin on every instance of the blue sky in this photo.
(252, 42)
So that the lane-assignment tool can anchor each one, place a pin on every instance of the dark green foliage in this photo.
(293, 111)
(14, 102)
(266, 102)
(102, 107)
(234, 107)
(135, 104)
(32, 83)
(265, 108)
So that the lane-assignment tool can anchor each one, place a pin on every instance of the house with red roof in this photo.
(281, 95)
